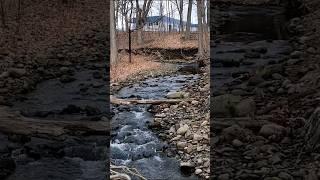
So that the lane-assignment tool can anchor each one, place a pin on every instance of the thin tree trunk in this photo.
(189, 20)
(114, 52)
(181, 15)
(200, 29)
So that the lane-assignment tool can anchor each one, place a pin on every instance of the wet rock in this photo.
(272, 129)
(71, 109)
(187, 168)
(224, 105)
(252, 55)
(246, 107)
(97, 75)
(17, 72)
(224, 177)
(7, 167)
(285, 176)
(296, 54)
(92, 111)
(234, 132)
(237, 143)
(66, 79)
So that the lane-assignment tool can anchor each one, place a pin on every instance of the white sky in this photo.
(155, 10)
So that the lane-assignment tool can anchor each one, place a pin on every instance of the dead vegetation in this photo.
(172, 40)
(124, 69)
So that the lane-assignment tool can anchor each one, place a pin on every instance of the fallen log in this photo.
(119, 101)
(13, 123)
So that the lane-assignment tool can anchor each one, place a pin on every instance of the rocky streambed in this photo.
(255, 131)
(60, 129)
(133, 143)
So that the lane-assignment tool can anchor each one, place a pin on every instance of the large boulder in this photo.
(229, 105)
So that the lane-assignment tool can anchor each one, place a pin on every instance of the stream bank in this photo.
(256, 129)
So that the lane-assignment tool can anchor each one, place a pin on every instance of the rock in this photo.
(7, 167)
(92, 111)
(272, 129)
(294, 61)
(182, 130)
(181, 145)
(255, 80)
(234, 132)
(197, 137)
(198, 171)
(285, 176)
(17, 72)
(64, 70)
(194, 102)
(246, 107)
(224, 177)
(237, 143)
(187, 168)
(224, 105)
(176, 95)
(296, 54)
(162, 115)
(66, 79)
(4, 75)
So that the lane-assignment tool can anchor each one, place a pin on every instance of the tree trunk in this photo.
(181, 15)
(189, 20)
(114, 52)
(200, 29)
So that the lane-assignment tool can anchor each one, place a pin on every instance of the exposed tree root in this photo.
(123, 172)
(312, 129)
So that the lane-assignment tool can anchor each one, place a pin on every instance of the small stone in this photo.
(272, 129)
(197, 137)
(162, 115)
(198, 171)
(285, 176)
(194, 102)
(224, 177)
(181, 145)
(237, 143)
(182, 130)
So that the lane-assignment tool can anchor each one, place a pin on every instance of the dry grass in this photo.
(123, 69)
(173, 40)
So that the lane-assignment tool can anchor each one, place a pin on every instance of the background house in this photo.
(162, 23)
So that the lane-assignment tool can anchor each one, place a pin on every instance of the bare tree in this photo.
(201, 41)
(179, 5)
(141, 16)
(114, 50)
(187, 36)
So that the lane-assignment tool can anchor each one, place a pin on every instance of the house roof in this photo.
(154, 19)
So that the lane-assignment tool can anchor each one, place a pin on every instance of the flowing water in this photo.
(133, 144)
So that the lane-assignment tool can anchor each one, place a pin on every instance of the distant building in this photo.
(162, 23)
